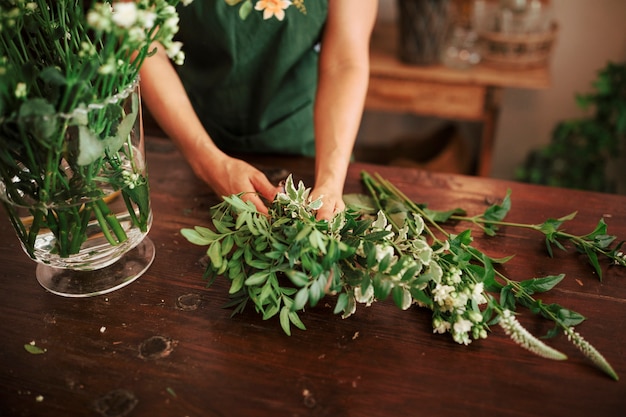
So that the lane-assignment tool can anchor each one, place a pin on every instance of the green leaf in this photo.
(257, 278)
(360, 203)
(194, 237)
(302, 296)
(593, 259)
(295, 320)
(398, 294)
(538, 285)
(299, 278)
(421, 296)
(497, 212)
(91, 146)
(342, 303)
(507, 299)
(271, 312)
(245, 10)
(443, 216)
(382, 287)
(237, 283)
(227, 244)
(37, 117)
(34, 349)
(215, 254)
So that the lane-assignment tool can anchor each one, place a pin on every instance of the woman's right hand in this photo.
(228, 175)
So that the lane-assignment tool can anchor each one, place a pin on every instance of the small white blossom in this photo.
(136, 34)
(171, 24)
(20, 90)
(475, 316)
(146, 18)
(125, 14)
(100, 17)
(478, 293)
(441, 293)
(440, 326)
(131, 179)
(87, 50)
(108, 68)
(462, 325)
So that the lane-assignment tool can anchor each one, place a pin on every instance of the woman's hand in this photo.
(230, 175)
(332, 202)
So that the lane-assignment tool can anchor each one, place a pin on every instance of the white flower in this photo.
(454, 275)
(171, 24)
(100, 17)
(31, 7)
(440, 326)
(272, 8)
(87, 50)
(186, 2)
(475, 316)
(168, 11)
(124, 14)
(441, 293)
(146, 18)
(462, 325)
(131, 179)
(108, 68)
(20, 90)
(136, 34)
(478, 293)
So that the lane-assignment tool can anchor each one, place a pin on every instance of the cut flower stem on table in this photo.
(385, 245)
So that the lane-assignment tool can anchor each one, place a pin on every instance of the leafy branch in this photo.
(593, 244)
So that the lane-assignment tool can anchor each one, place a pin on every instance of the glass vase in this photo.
(75, 188)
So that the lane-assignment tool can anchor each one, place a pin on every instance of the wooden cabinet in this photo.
(437, 91)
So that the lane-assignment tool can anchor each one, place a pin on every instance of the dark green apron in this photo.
(252, 82)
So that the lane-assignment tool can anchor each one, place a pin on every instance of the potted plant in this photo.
(584, 153)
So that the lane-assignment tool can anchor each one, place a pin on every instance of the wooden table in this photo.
(165, 341)
(438, 91)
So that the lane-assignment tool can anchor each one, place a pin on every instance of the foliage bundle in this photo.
(385, 245)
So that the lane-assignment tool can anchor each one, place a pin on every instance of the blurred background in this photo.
(590, 35)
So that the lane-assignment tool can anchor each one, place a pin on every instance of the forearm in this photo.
(165, 97)
(338, 113)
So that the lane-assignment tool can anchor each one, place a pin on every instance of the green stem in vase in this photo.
(108, 222)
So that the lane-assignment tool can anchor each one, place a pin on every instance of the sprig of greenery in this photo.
(382, 245)
(594, 244)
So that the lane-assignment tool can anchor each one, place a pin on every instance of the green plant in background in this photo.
(581, 149)
(385, 245)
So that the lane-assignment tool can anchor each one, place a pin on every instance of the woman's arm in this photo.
(343, 80)
(165, 97)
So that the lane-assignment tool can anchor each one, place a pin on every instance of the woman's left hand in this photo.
(332, 203)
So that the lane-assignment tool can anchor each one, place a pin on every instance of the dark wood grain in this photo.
(380, 362)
